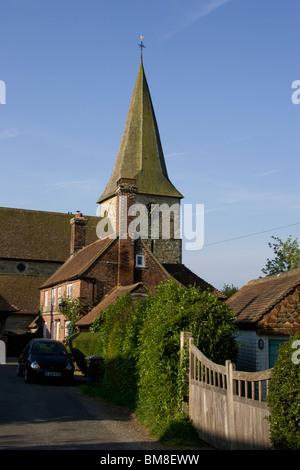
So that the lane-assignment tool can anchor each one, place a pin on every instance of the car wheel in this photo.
(26, 376)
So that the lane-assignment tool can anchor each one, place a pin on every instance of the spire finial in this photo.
(142, 46)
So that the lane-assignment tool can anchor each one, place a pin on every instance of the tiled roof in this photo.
(24, 290)
(257, 297)
(38, 235)
(6, 306)
(76, 266)
(186, 277)
(110, 299)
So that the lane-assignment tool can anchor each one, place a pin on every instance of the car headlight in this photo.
(35, 365)
(68, 366)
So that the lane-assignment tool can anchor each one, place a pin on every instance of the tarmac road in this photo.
(44, 416)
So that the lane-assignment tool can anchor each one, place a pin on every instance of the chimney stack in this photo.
(78, 232)
(127, 190)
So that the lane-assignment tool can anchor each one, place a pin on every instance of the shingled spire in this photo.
(140, 155)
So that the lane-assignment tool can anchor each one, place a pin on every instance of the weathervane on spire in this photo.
(142, 46)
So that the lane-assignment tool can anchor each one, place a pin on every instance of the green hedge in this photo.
(140, 342)
(169, 311)
(284, 396)
(82, 345)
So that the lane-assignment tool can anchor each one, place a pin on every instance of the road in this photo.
(57, 417)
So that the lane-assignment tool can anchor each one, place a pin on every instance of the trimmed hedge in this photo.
(169, 311)
(82, 345)
(284, 396)
(140, 342)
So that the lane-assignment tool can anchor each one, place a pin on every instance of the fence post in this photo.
(230, 367)
(185, 337)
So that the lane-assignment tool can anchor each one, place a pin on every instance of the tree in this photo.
(229, 290)
(284, 395)
(72, 309)
(287, 256)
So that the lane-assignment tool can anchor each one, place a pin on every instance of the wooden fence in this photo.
(226, 406)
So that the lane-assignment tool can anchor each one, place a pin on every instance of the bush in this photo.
(140, 342)
(82, 345)
(169, 311)
(119, 326)
(284, 397)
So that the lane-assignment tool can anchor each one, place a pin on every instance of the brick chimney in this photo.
(78, 231)
(127, 189)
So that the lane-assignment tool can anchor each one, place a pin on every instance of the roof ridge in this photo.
(273, 277)
(55, 276)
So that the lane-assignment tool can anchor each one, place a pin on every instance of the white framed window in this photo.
(53, 299)
(139, 261)
(69, 290)
(59, 294)
(67, 328)
(46, 299)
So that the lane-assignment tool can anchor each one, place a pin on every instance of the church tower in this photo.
(141, 175)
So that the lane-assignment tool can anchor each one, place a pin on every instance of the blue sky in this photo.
(220, 75)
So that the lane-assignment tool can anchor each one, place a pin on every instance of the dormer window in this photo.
(139, 261)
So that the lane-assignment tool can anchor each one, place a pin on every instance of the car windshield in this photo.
(53, 349)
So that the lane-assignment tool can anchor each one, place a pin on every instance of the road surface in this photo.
(50, 416)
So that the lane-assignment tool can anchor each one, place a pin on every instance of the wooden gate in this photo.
(227, 407)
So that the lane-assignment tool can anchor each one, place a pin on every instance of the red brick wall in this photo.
(98, 281)
(152, 274)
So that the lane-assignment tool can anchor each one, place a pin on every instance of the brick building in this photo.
(124, 261)
(33, 245)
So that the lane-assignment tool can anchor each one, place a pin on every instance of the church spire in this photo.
(140, 154)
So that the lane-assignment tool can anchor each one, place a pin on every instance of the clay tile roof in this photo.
(108, 300)
(76, 266)
(24, 290)
(258, 296)
(186, 277)
(38, 235)
(6, 306)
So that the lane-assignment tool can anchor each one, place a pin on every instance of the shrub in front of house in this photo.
(284, 397)
(82, 345)
(140, 342)
(169, 311)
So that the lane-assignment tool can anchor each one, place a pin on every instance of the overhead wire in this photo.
(251, 234)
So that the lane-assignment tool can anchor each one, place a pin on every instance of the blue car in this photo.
(45, 358)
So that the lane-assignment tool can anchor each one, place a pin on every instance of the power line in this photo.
(251, 234)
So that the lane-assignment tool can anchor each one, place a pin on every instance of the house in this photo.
(126, 257)
(267, 312)
(33, 245)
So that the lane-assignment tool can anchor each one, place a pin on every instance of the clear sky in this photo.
(220, 74)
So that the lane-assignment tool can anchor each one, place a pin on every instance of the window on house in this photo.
(69, 290)
(58, 294)
(46, 299)
(68, 328)
(53, 296)
(139, 261)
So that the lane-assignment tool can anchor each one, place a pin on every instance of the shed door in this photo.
(274, 345)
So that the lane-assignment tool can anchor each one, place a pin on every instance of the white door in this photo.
(57, 329)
